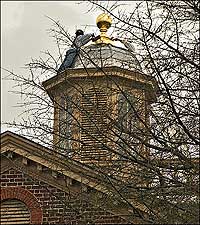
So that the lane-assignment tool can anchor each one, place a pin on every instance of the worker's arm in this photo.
(96, 38)
(83, 40)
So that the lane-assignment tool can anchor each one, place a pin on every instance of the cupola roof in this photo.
(105, 52)
(106, 55)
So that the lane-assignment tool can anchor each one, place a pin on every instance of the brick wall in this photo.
(57, 206)
(28, 198)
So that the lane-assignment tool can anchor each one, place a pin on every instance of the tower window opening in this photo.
(127, 123)
(93, 119)
(65, 124)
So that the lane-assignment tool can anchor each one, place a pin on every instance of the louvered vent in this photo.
(14, 212)
(94, 124)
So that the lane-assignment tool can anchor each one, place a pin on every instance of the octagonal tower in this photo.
(101, 102)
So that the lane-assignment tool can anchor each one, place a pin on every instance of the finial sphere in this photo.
(104, 23)
(103, 18)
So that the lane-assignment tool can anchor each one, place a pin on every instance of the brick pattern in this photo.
(28, 198)
(58, 207)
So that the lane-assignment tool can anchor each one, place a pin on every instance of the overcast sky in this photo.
(24, 35)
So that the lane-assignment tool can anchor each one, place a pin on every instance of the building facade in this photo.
(101, 103)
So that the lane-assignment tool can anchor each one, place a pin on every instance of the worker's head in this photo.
(79, 32)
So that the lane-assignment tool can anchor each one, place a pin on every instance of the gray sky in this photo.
(24, 35)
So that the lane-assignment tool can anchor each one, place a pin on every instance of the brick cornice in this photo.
(34, 174)
(52, 160)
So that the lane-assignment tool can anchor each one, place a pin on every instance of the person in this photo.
(80, 40)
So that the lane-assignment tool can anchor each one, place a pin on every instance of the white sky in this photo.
(24, 35)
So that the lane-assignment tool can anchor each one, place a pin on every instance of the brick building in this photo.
(60, 185)
(51, 189)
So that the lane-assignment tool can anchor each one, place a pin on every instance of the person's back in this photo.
(80, 40)
(83, 39)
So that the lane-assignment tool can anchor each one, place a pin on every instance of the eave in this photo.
(146, 82)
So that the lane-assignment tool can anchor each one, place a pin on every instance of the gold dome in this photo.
(104, 18)
(104, 22)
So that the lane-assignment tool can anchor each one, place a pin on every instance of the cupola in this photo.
(102, 102)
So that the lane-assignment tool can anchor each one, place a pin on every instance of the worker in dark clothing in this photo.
(80, 40)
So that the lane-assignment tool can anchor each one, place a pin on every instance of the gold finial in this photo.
(104, 23)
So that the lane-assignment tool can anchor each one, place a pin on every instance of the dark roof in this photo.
(106, 55)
